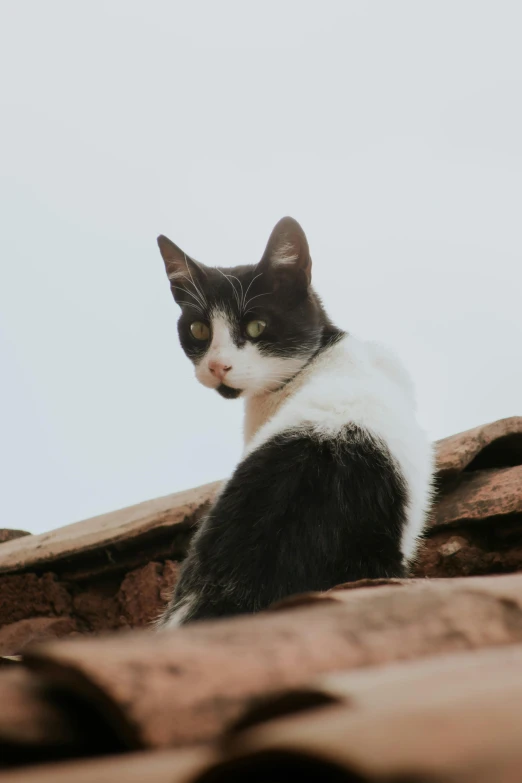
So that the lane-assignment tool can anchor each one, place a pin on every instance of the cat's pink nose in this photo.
(218, 369)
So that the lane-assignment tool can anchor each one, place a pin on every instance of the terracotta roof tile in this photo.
(481, 495)
(33, 724)
(492, 445)
(462, 674)
(159, 767)
(134, 522)
(476, 525)
(17, 635)
(497, 444)
(9, 534)
(435, 696)
(184, 686)
(434, 739)
(425, 720)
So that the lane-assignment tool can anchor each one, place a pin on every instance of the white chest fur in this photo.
(261, 408)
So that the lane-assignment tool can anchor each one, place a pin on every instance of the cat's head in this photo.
(249, 329)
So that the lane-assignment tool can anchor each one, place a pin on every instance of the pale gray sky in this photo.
(391, 130)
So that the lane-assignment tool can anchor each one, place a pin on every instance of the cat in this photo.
(335, 480)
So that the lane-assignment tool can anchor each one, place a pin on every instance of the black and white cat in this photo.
(335, 480)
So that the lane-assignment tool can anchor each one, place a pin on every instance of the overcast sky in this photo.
(391, 130)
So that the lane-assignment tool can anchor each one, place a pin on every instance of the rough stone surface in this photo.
(97, 606)
(144, 591)
(170, 577)
(29, 595)
(133, 599)
(472, 550)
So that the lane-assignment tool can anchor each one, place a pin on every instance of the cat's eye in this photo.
(254, 328)
(200, 330)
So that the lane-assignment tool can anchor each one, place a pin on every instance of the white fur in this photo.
(252, 372)
(354, 382)
(176, 618)
(284, 255)
(177, 274)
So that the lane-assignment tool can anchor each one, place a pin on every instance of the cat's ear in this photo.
(181, 269)
(287, 255)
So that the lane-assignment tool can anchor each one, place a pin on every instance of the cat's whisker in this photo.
(200, 267)
(256, 297)
(227, 277)
(198, 296)
(191, 304)
(249, 286)
(200, 293)
(185, 291)
(203, 302)
(242, 294)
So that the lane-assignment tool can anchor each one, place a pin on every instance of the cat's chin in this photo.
(228, 392)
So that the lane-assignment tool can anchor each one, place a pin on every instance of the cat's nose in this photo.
(219, 369)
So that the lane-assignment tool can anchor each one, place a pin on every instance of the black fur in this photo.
(297, 323)
(227, 392)
(279, 294)
(298, 514)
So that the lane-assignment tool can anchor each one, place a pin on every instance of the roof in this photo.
(414, 679)
(121, 529)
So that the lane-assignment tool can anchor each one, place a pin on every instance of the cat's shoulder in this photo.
(352, 381)
(354, 356)
(386, 360)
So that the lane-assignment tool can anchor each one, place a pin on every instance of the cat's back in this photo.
(360, 389)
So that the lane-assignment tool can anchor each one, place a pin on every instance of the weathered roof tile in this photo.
(481, 495)
(134, 522)
(439, 719)
(436, 694)
(183, 686)
(159, 767)
(499, 443)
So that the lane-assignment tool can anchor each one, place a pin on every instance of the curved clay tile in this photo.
(166, 766)
(7, 534)
(464, 673)
(422, 729)
(184, 686)
(116, 529)
(475, 525)
(498, 444)
(481, 495)
(117, 569)
(35, 724)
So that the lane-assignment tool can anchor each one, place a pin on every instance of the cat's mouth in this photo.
(228, 392)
